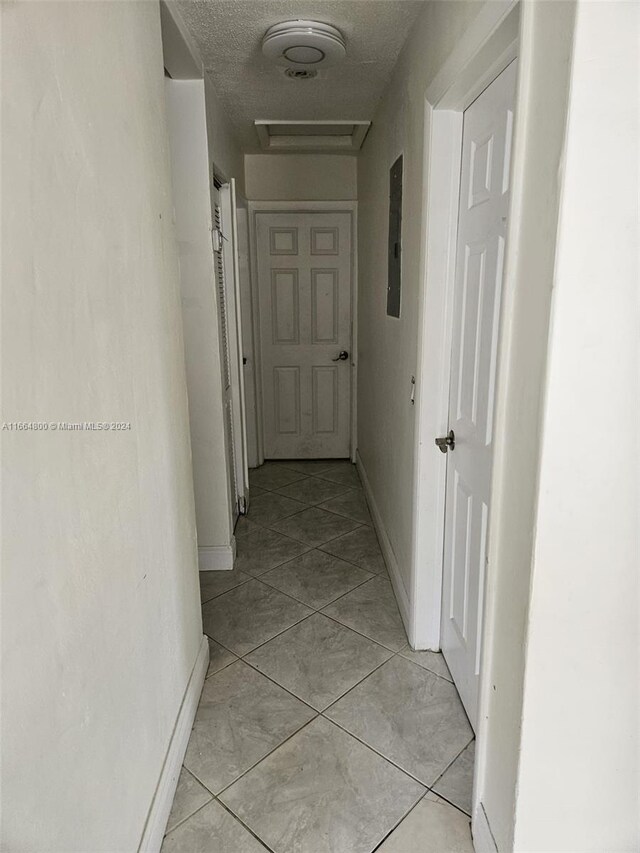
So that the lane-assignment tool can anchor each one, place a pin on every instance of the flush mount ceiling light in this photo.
(304, 44)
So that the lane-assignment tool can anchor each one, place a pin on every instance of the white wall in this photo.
(300, 177)
(581, 710)
(546, 39)
(202, 144)
(192, 209)
(387, 347)
(101, 615)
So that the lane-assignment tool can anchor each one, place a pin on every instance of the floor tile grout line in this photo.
(255, 763)
(321, 612)
(317, 545)
(314, 548)
(344, 559)
(372, 748)
(245, 825)
(299, 622)
(393, 653)
(355, 630)
(214, 798)
(437, 674)
(402, 819)
(348, 517)
(326, 604)
(280, 491)
(293, 624)
(281, 686)
(283, 464)
(353, 687)
(367, 746)
(427, 788)
(293, 515)
(218, 594)
(451, 763)
(257, 579)
(225, 648)
(272, 489)
(318, 711)
(264, 757)
(222, 668)
(449, 802)
(195, 812)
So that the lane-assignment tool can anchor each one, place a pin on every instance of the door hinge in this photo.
(216, 239)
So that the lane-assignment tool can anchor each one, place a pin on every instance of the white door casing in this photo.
(234, 311)
(230, 343)
(248, 338)
(482, 221)
(304, 286)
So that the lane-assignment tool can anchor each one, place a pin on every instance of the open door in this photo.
(482, 226)
(225, 246)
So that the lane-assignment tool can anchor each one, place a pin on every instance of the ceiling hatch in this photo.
(328, 136)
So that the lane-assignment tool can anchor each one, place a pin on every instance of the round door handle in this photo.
(343, 356)
(447, 442)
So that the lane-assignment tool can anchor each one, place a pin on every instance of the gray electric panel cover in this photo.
(395, 239)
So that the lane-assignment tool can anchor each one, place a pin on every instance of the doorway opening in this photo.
(303, 301)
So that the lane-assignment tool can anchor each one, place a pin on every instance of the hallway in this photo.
(318, 728)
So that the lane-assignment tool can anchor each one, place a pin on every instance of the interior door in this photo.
(304, 284)
(484, 202)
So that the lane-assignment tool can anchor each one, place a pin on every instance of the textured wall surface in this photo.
(100, 605)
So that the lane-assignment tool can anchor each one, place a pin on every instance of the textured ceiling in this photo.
(229, 32)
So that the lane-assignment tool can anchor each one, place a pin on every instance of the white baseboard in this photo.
(158, 816)
(387, 550)
(217, 558)
(483, 841)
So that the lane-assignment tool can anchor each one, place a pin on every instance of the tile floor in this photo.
(318, 729)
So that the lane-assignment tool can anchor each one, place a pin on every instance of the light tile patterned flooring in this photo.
(318, 729)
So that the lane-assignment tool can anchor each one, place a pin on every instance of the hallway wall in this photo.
(100, 604)
(202, 144)
(301, 177)
(387, 348)
(190, 166)
(581, 708)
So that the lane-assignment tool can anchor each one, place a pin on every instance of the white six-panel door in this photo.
(304, 284)
(484, 201)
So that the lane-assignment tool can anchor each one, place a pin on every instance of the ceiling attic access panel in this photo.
(318, 136)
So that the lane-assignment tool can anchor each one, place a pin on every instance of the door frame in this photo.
(257, 208)
(228, 211)
(488, 46)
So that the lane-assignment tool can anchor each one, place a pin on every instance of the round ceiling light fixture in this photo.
(304, 44)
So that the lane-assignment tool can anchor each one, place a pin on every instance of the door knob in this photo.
(447, 442)
(343, 356)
